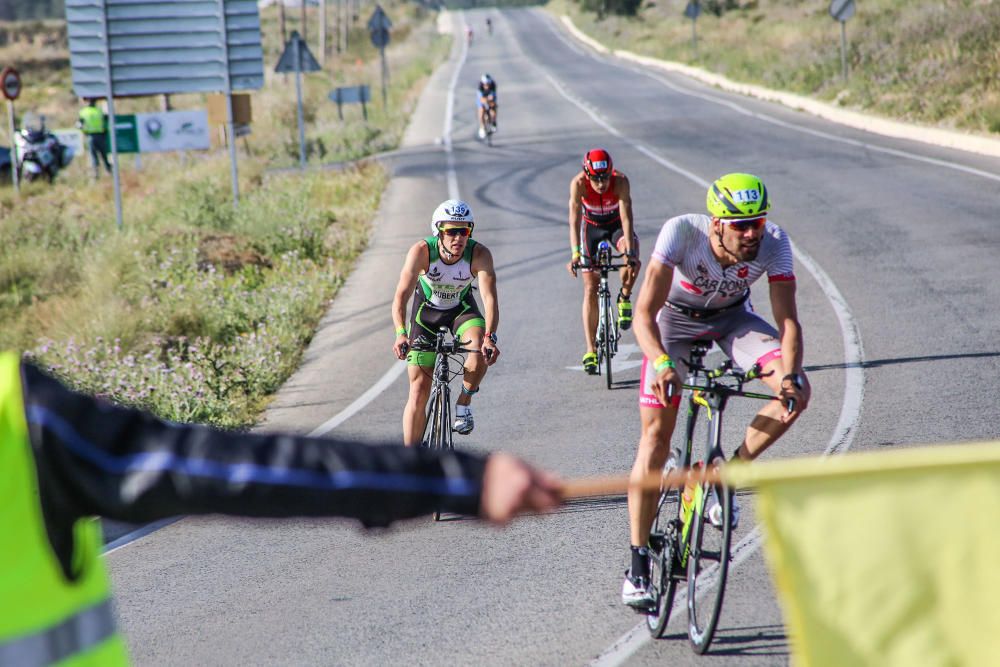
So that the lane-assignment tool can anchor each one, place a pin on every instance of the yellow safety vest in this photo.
(45, 618)
(92, 119)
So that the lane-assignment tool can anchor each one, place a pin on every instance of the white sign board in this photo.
(172, 131)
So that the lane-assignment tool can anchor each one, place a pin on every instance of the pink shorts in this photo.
(743, 336)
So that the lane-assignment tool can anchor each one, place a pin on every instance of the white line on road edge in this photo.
(396, 369)
(850, 413)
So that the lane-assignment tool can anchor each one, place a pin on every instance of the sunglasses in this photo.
(744, 225)
(457, 231)
(600, 178)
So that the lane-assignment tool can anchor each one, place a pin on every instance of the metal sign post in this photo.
(230, 131)
(692, 11)
(297, 58)
(841, 10)
(10, 81)
(378, 28)
(112, 128)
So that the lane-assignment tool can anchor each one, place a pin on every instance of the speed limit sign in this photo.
(10, 81)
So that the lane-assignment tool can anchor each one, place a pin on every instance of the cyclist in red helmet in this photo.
(600, 208)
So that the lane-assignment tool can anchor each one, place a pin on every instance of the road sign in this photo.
(10, 80)
(378, 27)
(155, 48)
(380, 38)
(126, 133)
(351, 95)
(692, 10)
(379, 20)
(841, 10)
(286, 63)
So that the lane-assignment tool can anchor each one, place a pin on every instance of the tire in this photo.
(707, 568)
(663, 541)
(609, 341)
(434, 431)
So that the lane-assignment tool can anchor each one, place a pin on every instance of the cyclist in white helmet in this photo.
(439, 271)
(486, 104)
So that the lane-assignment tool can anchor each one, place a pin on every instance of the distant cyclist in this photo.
(439, 271)
(489, 25)
(486, 104)
(600, 209)
(697, 286)
(468, 34)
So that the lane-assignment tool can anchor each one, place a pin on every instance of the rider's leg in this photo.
(414, 418)
(475, 364)
(766, 426)
(654, 448)
(591, 280)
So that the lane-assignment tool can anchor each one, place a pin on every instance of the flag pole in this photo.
(613, 485)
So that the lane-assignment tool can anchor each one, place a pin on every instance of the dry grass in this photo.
(929, 61)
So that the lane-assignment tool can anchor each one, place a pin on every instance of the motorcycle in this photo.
(39, 153)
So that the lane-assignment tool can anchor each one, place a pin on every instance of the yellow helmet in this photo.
(738, 196)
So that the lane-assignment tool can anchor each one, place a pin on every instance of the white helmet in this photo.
(486, 80)
(451, 210)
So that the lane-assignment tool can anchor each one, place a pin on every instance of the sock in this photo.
(462, 410)
(640, 562)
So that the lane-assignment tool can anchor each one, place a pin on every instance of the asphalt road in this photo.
(898, 291)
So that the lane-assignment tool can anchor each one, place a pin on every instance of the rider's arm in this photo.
(652, 296)
(624, 192)
(575, 213)
(417, 260)
(482, 266)
(94, 458)
(787, 318)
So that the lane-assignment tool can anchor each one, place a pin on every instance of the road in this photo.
(897, 288)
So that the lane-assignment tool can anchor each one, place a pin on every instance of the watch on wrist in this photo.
(795, 379)
(492, 336)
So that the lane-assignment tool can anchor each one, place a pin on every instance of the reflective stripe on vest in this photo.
(75, 635)
(46, 615)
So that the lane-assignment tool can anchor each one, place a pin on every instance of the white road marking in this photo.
(850, 414)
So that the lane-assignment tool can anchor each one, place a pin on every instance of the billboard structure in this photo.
(142, 47)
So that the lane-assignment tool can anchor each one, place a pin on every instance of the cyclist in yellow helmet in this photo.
(697, 286)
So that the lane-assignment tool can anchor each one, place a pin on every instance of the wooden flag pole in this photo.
(613, 485)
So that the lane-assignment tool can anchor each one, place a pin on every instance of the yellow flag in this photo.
(888, 558)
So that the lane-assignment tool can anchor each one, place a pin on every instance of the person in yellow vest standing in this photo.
(66, 458)
(95, 128)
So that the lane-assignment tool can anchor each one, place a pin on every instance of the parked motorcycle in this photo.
(39, 153)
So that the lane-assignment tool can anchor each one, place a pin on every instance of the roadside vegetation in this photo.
(933, 62)
(196, 310)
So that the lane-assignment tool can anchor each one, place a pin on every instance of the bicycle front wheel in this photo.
(438, 428)
(708, 566)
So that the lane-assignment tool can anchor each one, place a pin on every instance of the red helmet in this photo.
(597, 162)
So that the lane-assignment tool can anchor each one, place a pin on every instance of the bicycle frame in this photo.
(608, 334)
(676, 540)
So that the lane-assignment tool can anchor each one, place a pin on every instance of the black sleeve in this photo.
(95, 458)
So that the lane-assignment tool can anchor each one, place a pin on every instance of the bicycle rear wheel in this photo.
(708, 567)
(663, 570)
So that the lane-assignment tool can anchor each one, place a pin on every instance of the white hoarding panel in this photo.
(172, 131)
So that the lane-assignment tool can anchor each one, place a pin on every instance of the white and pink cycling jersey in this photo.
(699, 280)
